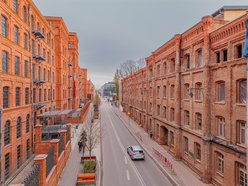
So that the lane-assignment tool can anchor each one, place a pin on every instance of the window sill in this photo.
(220, 102)
(241, 145)
(187, 100)
(198, 101)
(240, 104)
(220, 174)
(198, 161)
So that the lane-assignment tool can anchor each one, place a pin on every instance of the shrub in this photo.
(89, 166)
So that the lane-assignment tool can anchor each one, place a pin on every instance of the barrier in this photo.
(163, 158)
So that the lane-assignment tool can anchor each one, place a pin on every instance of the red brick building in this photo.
(191, 97)
(39, 67)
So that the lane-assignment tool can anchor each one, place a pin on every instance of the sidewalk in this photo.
(176, 171)
(74, 165)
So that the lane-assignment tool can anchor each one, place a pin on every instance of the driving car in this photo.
(136, 152)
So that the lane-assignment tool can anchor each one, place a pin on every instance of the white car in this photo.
(136, 153)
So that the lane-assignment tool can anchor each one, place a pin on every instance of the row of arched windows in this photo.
(18, 129)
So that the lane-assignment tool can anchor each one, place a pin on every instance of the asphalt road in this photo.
(118, 168)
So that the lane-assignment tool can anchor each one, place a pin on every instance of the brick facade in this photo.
(190, 97)
(55, 74)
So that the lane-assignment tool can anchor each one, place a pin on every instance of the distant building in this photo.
(108, 89)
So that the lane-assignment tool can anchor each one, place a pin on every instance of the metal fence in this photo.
(60, 146)
(49, 160)
(33, 178)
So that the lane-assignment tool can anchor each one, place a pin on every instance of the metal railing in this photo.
(33, 178)
(49, 160)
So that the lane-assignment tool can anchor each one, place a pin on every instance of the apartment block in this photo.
(191, 97)
(39, 72)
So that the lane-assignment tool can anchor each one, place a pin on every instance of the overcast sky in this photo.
(113, 31)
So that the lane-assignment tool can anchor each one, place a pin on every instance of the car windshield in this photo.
(138, 151)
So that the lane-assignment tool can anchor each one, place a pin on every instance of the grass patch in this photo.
(89, 166)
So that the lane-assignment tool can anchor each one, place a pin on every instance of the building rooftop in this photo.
(229, 8)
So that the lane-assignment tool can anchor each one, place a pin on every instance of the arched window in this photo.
(24, 14)
(27, 123)
(18, 128)
(7, 133)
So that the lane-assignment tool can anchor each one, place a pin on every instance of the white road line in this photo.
(124, 151)
(125, 160)
(128, 176)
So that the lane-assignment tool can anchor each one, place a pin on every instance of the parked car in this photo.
(136, 153)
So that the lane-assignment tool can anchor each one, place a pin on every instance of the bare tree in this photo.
(93, 135)
(130, 66)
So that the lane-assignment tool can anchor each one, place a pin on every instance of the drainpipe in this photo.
(1, 111)
(31, 73)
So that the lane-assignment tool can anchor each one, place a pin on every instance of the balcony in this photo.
(38, 34)
(38, 58)
(39, 82)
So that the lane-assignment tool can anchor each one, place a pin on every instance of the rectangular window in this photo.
(239, 51)
(217, 54)
(32, 47)
(224, 52)
(186, 145)
(198, 91)
(4, 26)
(16, 34)
(17, 65)
(26, 68)
(25, 41)
(186, 117)
(221, 91)
(4, 61)
(6, 166)
(158, 70)
(241, 175)
(40, 95)
(198, 121)
(241, 134)
(26, 96)
(39, 73)
(18, 96)
(45, 95)
(197, 151)
(242, 91)
(173, 65)
(219, 163)
(187, 60)
(15, 6)
(186, 91)
(171, 139)
(221, 126)
(5, 97)
(165, 68)
(199, 58)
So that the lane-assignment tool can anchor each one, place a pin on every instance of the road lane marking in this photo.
(123, 149)
(125, 160)
(128, 176)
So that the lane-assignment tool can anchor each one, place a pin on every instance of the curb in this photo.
(166, 173)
